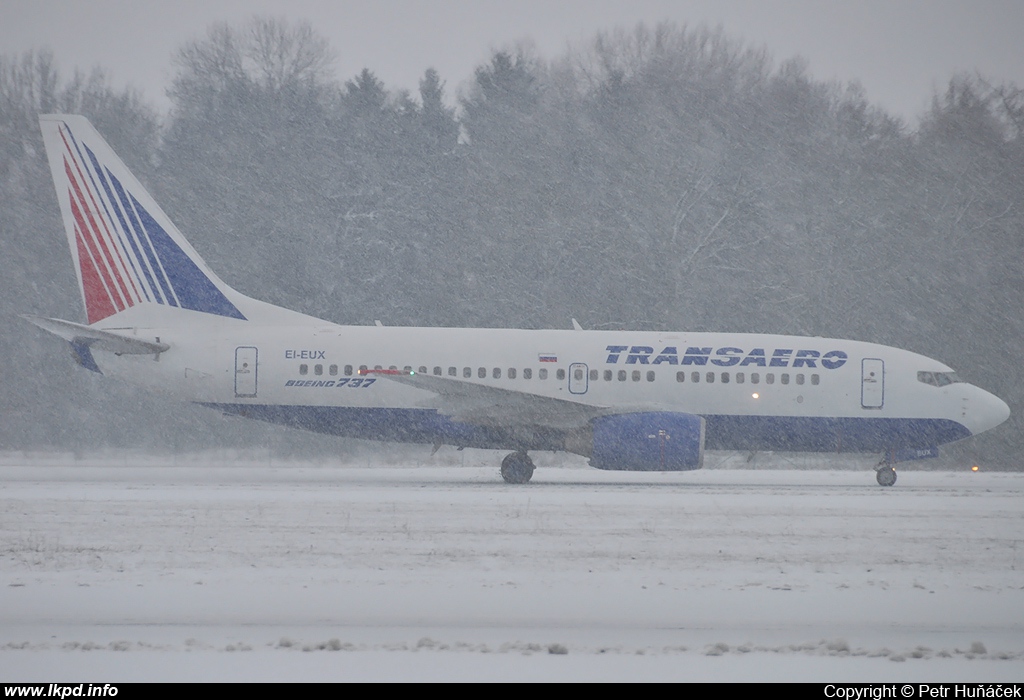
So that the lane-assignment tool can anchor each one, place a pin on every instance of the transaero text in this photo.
(726, 357)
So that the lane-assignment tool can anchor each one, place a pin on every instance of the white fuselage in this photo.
(755, 391)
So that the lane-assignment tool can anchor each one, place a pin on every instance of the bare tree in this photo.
(286, 56)
(266, 54)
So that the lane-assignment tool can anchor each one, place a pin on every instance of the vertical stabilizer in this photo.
(126, 250)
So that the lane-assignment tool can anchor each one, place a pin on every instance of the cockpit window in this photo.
(938, 378)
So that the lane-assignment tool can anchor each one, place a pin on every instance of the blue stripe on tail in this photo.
(192, 287)
(181, 279)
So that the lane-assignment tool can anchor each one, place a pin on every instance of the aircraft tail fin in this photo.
(126, 250)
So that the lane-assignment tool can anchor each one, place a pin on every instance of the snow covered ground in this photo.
(199, 568)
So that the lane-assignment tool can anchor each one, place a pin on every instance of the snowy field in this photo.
(199, 569)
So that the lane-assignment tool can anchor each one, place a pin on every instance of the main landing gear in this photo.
(517, 468)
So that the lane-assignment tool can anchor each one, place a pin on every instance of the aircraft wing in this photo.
(468, 402)
(95, 338)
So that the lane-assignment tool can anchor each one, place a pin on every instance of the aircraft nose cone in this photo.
(990, 411)
(1002, 412)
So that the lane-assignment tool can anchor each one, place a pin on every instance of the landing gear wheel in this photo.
(516, 468)
(886, 476)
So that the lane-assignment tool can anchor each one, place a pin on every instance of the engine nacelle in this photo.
(653, 442)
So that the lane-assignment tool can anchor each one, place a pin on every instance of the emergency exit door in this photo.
(245, 372)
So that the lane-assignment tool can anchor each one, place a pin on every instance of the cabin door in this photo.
(872, 383)
(578, 379)
(245, 372)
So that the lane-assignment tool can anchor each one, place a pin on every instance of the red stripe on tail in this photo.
(97, 290)
(97, 300)
(96, 208)
(113, 273)
(69, 152)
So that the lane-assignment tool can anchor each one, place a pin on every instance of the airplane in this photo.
(159, 317)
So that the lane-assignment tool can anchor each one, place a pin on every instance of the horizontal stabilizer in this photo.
(76, 333)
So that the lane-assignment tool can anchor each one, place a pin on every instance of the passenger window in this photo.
(739, 377)
(799, 379)
(452, 371)
(303, 369)
(437, 371)
(725, 377)
(577, 374)
(680, 377)
(467, 372)
(511, 372)
(377, 367)
(695, 377)
(542, 373)
(755, 378)
(362, 369)
(711, 377)
(607, 375)
(622, 375)
(769, 378)
(481, 372)
(560, 374)
(527, 373)
(650, 375)
(593, 375)
(785, 378)
(815, 379)
(318, 370)
(334, 370)
(496, 373)
(636, 375)
(393, 367)
(422, 370)
(348, 370)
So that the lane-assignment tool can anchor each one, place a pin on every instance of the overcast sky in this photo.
(899, 50)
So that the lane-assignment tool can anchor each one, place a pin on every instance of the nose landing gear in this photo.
(516, 468)
(885, 474)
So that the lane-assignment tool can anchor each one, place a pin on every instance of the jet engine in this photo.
(653, 441)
